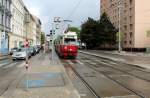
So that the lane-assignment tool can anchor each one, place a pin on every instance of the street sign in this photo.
(26, 43)
(48, 38)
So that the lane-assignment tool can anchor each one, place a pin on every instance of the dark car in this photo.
(32, 50)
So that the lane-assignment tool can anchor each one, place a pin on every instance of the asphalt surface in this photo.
(111, 79)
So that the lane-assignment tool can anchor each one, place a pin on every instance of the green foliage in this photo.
(121, 36)
(75, 29)
(42, 38)
(98, 33)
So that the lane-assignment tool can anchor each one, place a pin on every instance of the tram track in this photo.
(118, 62)
(113, 79)
(107, 63)
(93, 92)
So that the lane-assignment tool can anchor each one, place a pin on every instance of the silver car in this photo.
(21, 54)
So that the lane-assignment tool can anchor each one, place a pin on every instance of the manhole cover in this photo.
(37, 80)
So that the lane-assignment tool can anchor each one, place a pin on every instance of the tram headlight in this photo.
(65, 48)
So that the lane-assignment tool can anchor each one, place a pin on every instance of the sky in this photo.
(76, 10)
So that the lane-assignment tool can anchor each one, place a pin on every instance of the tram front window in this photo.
(68, 41)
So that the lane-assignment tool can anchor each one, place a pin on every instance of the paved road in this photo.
(112, 79)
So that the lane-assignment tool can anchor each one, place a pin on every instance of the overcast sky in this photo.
(46, 10)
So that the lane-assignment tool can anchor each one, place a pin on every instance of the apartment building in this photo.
(32, 28)
(38, 30)
(134, 16)
(17, 24)
(5, 28)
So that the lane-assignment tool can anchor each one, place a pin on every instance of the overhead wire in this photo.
(74, 9)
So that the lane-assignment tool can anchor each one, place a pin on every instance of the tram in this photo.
(66, 45)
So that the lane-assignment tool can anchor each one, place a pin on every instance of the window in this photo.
(131, 26)
(125, 27)
(130, 18)
(125, 42)
(0, 18)
(130, 42)
(131, 34)
(131, 1)
(125, 35)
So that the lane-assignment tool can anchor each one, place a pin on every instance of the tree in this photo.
(108, 30)
(42, 38)
(75, 29)
(100, 33)
(89, 33)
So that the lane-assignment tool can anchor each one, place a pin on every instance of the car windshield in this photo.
(21, 50)
(68, 41)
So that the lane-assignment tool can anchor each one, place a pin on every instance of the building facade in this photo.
(17, 24)
(5, 28)
(133, 16)
(38, 31)
(32, 28)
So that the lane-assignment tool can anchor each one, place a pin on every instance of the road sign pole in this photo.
(27, 69)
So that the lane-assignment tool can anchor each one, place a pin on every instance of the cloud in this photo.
(35, 11)
(46, 10)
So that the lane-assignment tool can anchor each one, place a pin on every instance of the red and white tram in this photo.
(66, 45)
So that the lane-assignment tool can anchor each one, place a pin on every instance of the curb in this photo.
(107, 58)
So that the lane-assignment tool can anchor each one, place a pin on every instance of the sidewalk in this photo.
(143, 62)
(125, 53)
(45, 79)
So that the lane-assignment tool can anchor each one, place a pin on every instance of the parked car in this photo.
(37, 48)
(13, 50)
(32, 50)
(21, 54)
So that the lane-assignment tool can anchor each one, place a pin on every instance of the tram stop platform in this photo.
(45, 78)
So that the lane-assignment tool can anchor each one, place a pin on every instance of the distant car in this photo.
(21, 54)
(36, 49)
(13, 50)
(32, 50)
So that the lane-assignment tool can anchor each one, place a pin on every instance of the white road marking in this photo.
(10, 65)
(80, 62)
(70, 62)
(106, 64)
(93, 63)
(97, 60)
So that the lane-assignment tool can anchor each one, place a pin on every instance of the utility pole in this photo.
(119, 41)
(27, 20)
